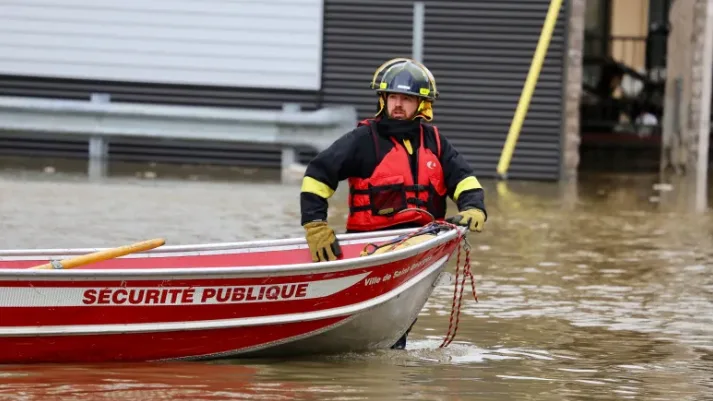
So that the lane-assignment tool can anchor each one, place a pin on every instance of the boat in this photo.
(247, 299)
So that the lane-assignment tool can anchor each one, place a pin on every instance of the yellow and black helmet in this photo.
(409, 77)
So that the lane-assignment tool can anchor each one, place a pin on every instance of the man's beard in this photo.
(403, 116)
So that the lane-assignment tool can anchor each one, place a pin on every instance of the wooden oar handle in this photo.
(103, 255)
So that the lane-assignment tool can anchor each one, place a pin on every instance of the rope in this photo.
(458, 293)
(464, 247)
(433, 227)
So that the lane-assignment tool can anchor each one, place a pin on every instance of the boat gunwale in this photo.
(223, 272)
(253, 245)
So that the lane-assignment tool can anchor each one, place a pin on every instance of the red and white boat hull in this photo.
(217, 300)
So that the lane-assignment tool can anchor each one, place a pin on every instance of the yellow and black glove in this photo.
(322, 241)
(472, 218)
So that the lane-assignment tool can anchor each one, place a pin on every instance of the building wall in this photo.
(630, 19)
(687, 115)
(479, 52)
(207, 53)
(575, 72)
(266, 44)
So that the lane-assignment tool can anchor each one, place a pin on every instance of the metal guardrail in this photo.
(100, 120)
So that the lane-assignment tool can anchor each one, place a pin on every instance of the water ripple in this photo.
(602, 298)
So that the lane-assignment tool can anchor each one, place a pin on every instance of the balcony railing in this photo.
(644, 54)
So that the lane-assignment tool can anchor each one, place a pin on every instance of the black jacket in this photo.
(354, 155)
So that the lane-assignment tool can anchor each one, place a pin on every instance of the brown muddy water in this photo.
(601, 292)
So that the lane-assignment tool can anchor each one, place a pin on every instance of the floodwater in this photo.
(601, 292)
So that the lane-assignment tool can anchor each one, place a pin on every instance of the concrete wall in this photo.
(573, 88)
(686, 123)
(688, 86)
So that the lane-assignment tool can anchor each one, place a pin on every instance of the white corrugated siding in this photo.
(238, 43)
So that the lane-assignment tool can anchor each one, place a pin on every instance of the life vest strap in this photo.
(411, 201)
(381, 188)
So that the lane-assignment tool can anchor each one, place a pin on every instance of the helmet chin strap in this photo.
(424, 110)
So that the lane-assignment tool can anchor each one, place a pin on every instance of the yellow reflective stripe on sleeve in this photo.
(408, 146)
(466, 184)
(318, 188)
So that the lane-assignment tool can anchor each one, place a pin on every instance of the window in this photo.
(596, 28)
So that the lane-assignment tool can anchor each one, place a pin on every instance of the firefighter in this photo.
(396, 163)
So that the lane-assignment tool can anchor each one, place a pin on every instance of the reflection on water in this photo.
(605, 295)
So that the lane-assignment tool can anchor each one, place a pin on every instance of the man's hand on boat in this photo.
(472, 218)
(323, 244)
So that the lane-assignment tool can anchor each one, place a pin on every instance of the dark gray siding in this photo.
(155, 93)
(359, 36)
(250, 155)
(480, 54)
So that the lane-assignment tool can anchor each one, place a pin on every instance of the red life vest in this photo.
(375, 202)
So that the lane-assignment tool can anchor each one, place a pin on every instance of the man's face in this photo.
(401, 107)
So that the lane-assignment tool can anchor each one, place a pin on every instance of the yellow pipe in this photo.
(537, 60)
